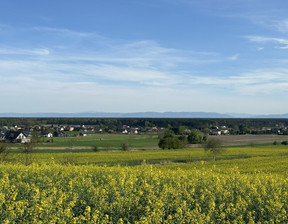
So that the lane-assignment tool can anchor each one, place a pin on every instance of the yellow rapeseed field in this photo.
(55, 193)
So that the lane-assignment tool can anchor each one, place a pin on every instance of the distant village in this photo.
(22, 134)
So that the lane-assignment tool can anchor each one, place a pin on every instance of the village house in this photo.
(17, 137)
(46, 134)
(215, 131)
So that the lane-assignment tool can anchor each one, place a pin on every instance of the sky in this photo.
(225, 56)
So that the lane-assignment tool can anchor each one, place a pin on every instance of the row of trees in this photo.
(173, 141)
(237, 125)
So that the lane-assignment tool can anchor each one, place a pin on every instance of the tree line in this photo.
(172, 141)
(240, 125)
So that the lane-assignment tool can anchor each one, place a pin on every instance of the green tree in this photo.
(196, 137)
(215, 146)
(171, 141)
(165, 133)
(183, 130)
(183, 140)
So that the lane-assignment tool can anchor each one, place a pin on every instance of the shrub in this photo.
(95, 148)
(124, 146)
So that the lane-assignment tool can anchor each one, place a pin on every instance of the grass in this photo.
(104, 141)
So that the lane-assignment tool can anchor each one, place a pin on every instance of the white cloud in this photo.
(261, 39)
(233, 58)
(57, 96)
(284, 47)
(282, 26)
(66, 32)
(249, 83)
(127, 75)
(17, 51)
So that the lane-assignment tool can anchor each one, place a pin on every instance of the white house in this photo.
(17, 137)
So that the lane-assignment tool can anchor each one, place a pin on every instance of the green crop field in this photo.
(105, 142)
(244, 185)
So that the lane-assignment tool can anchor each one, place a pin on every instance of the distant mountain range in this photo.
(145, 115)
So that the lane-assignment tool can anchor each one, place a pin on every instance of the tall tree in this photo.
(215, 146)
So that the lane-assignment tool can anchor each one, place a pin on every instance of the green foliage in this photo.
(196, 137)
(214, 145)
(171, 141)
(159, 122)
(124, 146)
(183, 140)
(169, 133)
(284, 142)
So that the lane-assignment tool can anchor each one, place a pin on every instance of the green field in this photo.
(105, 142)
(244, 185)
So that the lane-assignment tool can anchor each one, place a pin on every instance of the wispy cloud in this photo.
(233, 58)
(282, 26)
(261, 39)
(123, 69)
(66, 32)
(249, 83)
(142, 62)
(19, 51)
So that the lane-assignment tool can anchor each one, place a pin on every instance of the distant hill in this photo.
(123, 115)
(272, 116)
(145, 115)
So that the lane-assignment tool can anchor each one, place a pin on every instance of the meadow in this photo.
(106, 142)
(246, 184)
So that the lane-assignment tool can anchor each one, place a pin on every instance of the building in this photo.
(17, 137)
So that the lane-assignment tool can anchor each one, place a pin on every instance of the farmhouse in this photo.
(47, 134)
(215, 131)
(17, 137)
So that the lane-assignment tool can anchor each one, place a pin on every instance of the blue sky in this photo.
(136, 56)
